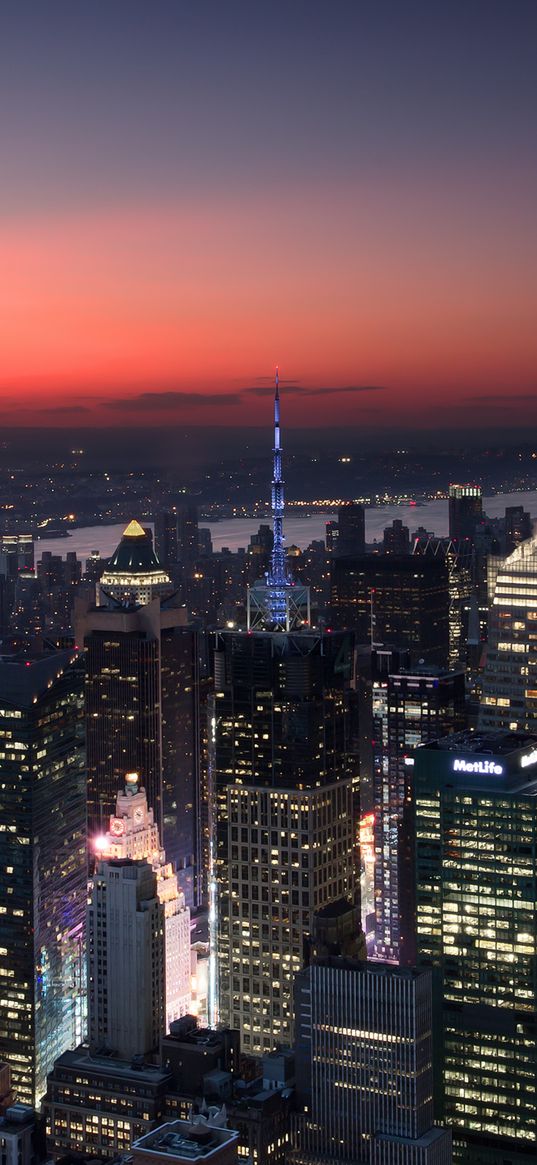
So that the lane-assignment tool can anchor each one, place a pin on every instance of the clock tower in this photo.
(134, 835)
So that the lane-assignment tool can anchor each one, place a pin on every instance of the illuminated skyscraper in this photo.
(134, 573)
(476, 829)
(509, 698)
(282, 782)
(133, 834)
(465, 510)
(42, 866)
(285, 829)
(364, 1065)
(142, 714)
(410, 708)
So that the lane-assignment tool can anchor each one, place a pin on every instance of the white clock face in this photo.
(138, 816)
(117, 828)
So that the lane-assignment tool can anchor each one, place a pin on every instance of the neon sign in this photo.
(489, 767)
(529, 759)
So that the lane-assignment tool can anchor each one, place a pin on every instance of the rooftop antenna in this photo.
(277, 602)
(278, 574)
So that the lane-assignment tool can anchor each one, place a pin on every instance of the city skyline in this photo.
(193, 196)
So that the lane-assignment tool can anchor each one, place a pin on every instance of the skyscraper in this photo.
(133, 834)
(166, 545)
(351, 529)
(396, 538)
(461, 569)
(42, 867)
(509, 696)
(465, 510)
(410, 708)
(142, 715)
(285, 829)
(282, 788)
(476, 829)
(134, 573)
(518, 527)
(187, 531)
(397, 600)
(364, 1078)
(126, 959)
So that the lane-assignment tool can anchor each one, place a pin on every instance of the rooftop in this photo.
(135, 553)
(25, 675)
(81, 1061)
(379, 970)
(484, 743)
(186, 1140)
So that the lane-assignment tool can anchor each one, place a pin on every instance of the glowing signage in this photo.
(529, 759)
(367, 839)
(485, 767)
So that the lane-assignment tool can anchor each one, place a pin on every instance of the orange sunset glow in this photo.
(156, 268)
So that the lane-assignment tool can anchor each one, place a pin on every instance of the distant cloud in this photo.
(160, 401)
(332, 390)
(63, 409)
(502, 398)
(289, 389)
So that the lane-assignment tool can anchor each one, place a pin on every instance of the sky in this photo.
(192, 193)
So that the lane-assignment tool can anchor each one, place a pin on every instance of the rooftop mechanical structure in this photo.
(278, 603)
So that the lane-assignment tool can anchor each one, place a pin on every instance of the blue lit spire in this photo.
(277, 603)
(278, 574)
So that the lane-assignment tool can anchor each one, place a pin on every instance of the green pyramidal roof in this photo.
(135, 554)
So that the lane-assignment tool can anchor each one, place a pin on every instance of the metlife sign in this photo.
(490, 768)
(485, 767)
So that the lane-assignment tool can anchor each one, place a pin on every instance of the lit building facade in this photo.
(142, 715)
(134, 573)
(284, 829)
(134, 834)
(476, 831)
(98, 1105)
(409, 709)
(509, 695)
(364, 1076)
(43, 869)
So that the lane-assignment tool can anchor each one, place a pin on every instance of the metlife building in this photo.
(476, 875)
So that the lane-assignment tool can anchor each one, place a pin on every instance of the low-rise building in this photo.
(99, 1105)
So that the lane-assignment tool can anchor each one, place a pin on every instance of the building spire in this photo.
(278, 574)
(277, 603)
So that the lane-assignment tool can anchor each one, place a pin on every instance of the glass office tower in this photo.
(476, 839)
(509, 698)
(42, 864)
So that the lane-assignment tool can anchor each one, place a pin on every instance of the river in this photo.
(236, 532)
